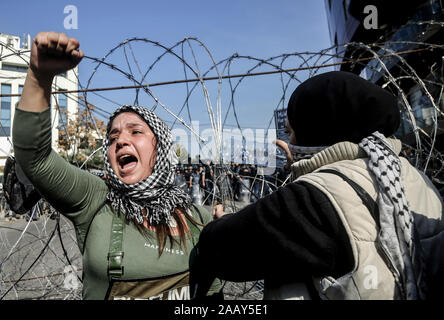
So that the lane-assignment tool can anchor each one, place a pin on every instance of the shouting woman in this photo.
(135, 229)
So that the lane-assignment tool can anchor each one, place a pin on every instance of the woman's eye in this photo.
(137, 131)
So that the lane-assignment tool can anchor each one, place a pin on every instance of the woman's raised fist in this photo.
(54, 53)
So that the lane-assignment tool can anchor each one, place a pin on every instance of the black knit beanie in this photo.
(340, 106)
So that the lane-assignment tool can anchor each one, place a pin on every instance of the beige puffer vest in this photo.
(371, 278)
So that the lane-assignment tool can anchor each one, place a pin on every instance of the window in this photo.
(63, 116)
(20, 90)
(62, 99)
(12, 67)
(5, 111)
(62, 102)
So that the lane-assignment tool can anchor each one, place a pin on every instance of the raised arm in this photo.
(70, 190)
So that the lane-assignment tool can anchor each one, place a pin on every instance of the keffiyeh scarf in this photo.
(397, 235)
(157, 193)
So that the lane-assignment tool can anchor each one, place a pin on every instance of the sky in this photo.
(255, 27)
(259, 29)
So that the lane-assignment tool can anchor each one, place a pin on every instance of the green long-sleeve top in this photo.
(80, 196)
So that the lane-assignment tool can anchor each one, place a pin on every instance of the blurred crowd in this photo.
(210, 184)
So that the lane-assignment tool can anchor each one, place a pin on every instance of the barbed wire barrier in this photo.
(40, 259)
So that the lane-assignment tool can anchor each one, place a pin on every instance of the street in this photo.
(50, 277)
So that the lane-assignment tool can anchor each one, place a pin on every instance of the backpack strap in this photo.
(115, 254)
(367, 200)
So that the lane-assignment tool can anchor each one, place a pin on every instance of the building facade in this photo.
(14, 61)
(401, 26)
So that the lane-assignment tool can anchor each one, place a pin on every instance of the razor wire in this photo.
(37, 262)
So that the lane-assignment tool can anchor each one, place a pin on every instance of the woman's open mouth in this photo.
(127, 163)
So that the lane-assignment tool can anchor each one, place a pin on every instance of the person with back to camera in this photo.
(357, 222)
(135, 229)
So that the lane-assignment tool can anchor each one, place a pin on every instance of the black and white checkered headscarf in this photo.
(157, 193)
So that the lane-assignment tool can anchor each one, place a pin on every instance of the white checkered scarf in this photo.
(157, 193)
(398, 233)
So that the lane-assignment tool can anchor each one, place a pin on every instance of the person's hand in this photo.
(53, 53)
(218, 212)
(284, 146)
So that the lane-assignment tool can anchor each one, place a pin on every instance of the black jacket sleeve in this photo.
(289, 235)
